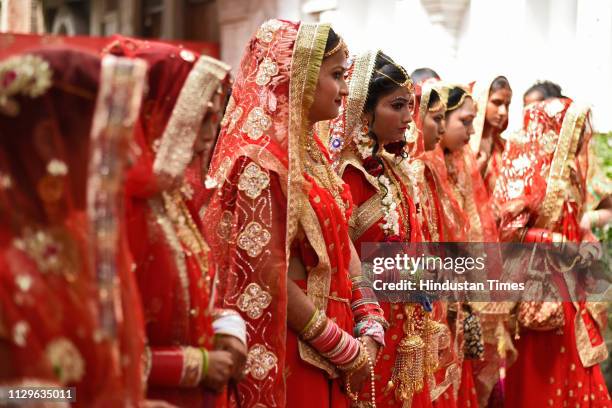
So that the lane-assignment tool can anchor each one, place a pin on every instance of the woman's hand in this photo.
(220, 368)
(237, 349)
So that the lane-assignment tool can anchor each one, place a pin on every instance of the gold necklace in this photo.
(187, 230)
(328, 180)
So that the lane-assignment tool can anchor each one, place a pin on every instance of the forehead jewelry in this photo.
(340, 45)
(406, 84)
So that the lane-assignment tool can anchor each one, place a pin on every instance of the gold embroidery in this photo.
(559, 172)
(260, 361)
(27, 75)
(253, 180)
(257, 123)
(20, 332)
(193, 360)
(266, 31)
(224, 229)
(253, 239)
(254, 300)
(176, 147)
(66, 360)
(267, 69)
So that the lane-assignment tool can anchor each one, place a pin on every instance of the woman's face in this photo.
(434, 127)
(391, 116)
(459, 126)
(207, 136)
(497, 108)
(331, 88)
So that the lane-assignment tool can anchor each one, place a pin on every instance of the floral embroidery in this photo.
(253, 180)
(27, 75)
(253, 239)
(232, 115)
(260, 361)
(23, 282)
(57, 168)
(224, 230)
(41, 247)
(257, 123)
(548, 142)
(515, 188)
(520, 164)
(267, 69)
(254, 300)
(266, 31)
(215, 180)
(66, 360)
(20, 332)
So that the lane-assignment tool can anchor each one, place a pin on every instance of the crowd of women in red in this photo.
(175, 235)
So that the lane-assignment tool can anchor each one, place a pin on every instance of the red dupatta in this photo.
(272, 181)
(69, 312)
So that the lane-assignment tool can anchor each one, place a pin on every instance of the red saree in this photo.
(493, 146)
(69, 308)
(372, 222)
(542, 188)
(274, 197)
(171, 258)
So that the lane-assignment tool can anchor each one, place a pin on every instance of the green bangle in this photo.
(204, 362)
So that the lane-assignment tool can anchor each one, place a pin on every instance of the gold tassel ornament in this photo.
(409, 369)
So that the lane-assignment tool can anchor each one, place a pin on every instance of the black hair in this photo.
(547, 88)
(434, 97)
(454, 96)
(421, 74)
(332, 40)
(501, 82)
(384, 80)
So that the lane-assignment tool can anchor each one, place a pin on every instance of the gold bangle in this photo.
(318, 324)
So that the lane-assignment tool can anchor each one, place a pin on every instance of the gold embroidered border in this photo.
(589, 354)
(176, 146)
(558, 177)
(305, 66)
(174, 244)
(358, 91)
(480, 95)
(122, 82)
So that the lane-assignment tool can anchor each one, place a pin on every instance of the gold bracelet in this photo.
(313, 330)
(354, 397)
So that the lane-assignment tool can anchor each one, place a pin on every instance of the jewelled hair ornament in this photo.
(340, 46)
(454, 106)
(26, 75)
(408, 84)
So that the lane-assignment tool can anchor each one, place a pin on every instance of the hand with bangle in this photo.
(351, 356)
